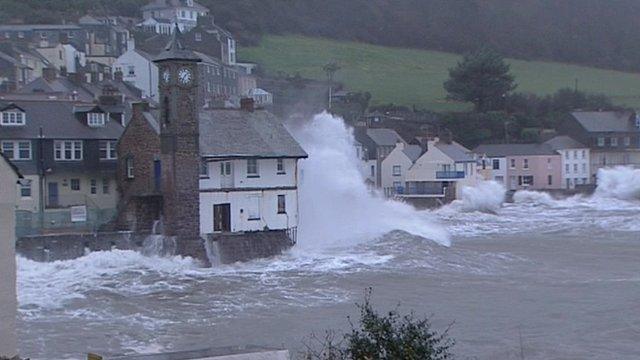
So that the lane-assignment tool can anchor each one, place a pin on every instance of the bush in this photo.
(384, 337)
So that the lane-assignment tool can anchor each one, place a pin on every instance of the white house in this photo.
(395, 166)
(576, 160)
(443, 167)
(9, 177)
(493, 168)
(63, 56)
(374, 145)
(137, 67)
(249, 176)
(183, 12)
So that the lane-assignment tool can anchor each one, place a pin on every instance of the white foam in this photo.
(620, 182)
(336, 207)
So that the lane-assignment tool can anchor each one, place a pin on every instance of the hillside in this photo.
(408, 76)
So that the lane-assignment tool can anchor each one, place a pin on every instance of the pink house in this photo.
(528, 166)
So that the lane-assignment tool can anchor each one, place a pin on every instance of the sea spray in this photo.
(336, 207)
(532, 198)
(620, 182)
(486, 196)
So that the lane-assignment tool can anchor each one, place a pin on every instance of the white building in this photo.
(183, 12)
(137, 67)
(442, 167)
(395, 166)
(493, 168)
(576, 159)
(63, 56)
(249, 177)
(9, 177)
(373, 146)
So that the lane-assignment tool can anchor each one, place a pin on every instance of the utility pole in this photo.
(330, 69)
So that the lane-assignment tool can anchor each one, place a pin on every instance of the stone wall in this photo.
(235, 247)
(71, 246)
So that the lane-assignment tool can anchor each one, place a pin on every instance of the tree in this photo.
(482, 78)
(385, 337)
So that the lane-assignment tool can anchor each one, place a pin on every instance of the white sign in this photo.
(78, 213)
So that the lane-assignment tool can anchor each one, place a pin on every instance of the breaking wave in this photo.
(620, 182)
(336, 207)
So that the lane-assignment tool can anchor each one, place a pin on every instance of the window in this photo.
(513, 163)
(496, 164)
(584, 168)
(105, 186)
(108, 150)
(397, 185)
(282, 206)
(567, 169)
(93, 186)
(575, 154)
(280, 166)
(130, 168)
(198, 37)
(397, 170)
(550, 180)
(614, 141)
(96, 119)
(526, 180)
(75, 184)
(601, 141)
(68, 150)
(584, 154)
(525, 164)
(204, 169)
(254, 208)
(566, 154)
(575, 168)
(627, 141)
(13, 118)
(25, 188)
(373, 170)
(17, 150)
(252, 168)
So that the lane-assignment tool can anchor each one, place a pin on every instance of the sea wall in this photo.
(222, 248)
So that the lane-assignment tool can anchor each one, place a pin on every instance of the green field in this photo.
(408, 77)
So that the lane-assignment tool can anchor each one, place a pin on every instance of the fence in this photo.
(60, 220)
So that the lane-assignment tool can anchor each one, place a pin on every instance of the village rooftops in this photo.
(28, 27)
(413, 152)
(230, 133)
(58, 120)
(564, 142)
(384, 137)
(606, 121)
(502, 150)
(175, 49)
(169, 4)
(455, 151)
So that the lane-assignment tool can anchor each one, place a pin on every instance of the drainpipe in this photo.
(41, 172)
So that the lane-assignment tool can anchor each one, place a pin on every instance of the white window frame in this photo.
(60, 148)
(283, 209)
(253, 210)
(512, 163)
(15, 145)
(396, 170)
(253, 168)
(525, 164)
(109, 148)
(601, 141)
(129, 166)
(25, 185)
(13, 118)
(96, 119)
(614, 141)
(280, 168)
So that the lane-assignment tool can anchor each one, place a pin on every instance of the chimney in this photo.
(138, 108)
(49, 74)
(117, 76)
(247, 104)
(131, 43)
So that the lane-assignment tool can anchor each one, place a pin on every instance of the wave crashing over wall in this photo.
(620, 182)
(336, 206)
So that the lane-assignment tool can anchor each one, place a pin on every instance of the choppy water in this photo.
(563, 275)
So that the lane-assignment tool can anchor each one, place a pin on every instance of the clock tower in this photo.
(179, 146)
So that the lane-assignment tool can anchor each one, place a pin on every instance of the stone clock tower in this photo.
(179, 146)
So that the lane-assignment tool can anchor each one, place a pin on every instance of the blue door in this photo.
(53, 194)
(157, 175)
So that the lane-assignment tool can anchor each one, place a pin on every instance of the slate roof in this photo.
(384, 137)
(58, 121)
(500, 150)
(605, 121)
(564, 142)
(175, 49)
(413, 152)
(164, 4)
(455, 151)
(28, 27)
(227, 133)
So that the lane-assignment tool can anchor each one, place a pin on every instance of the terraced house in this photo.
(66, 151)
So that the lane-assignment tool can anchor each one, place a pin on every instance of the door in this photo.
(52, 188)
(222, 218)
(157, 175)
(226, 174)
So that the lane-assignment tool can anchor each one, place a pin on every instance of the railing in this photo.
(292, 234)
(449, 174)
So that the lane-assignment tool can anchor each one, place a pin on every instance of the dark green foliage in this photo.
(482, 78)
(389, 336)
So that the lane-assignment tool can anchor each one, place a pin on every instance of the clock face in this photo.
(185, 76)
(166, 76)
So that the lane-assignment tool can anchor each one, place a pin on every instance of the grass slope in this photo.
(408, 77)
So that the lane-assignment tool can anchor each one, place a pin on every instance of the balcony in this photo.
(449, 175)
